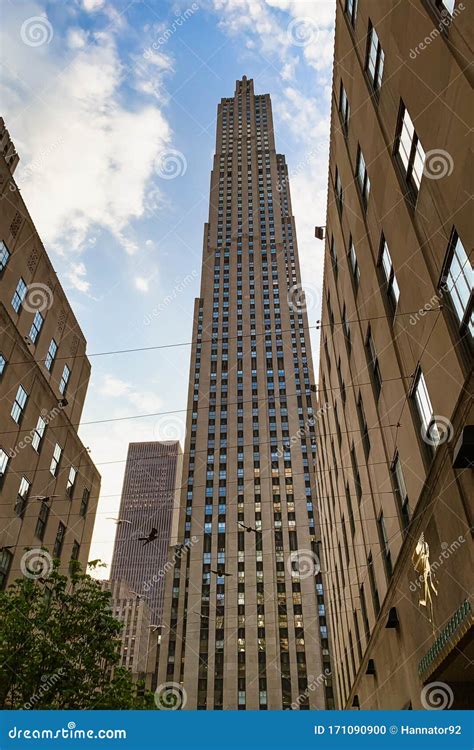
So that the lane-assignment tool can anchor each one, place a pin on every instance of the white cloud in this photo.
(76, 38)
(76, 277)
(92, 5)
(141, 400)
(69, 106)
(142, 284)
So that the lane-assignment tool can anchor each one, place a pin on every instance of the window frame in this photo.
(465, 323)
(389, 278)
(363, 181)
(350, 9)
(344, 108)
(18, 407)
(375, 79)
(5, 256)
(19, 295)
(408, 169)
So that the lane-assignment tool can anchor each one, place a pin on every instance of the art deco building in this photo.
(149, 501)
(48, 484)
(245, 623)
(139, 634)
(395, 446)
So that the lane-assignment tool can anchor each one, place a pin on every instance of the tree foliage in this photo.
(59, 645)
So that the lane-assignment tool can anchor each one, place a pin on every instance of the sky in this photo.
(112, 107)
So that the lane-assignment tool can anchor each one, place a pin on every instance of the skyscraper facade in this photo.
(245, 623)
(49, 486)
(149, 500)
(396, 446)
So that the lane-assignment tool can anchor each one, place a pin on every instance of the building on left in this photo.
(49, 486)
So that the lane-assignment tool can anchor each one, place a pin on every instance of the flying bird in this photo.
(248, 529)
(118, 521)
(220, 573)
(150, 538)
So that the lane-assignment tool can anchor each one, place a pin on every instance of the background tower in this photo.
(150, 486)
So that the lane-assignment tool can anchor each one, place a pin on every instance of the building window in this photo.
(375, 59)
(22, 497)
(391, 284)
(85, 502)
(445, 5)
(429, 428)
(19, 404)
(71, 480)
(354, 263)
(42, 521)
(362, 178)
(3, 463)
(458, 280)
(38, 434)
(6, 558)
(385, 545)
(55, 460)
(332, 250)
(346, 328)
(19, 295)
(373, 362)
(51, 355)
(351, 10)
(339, 191)
(408, 149)
(401, 492)
(3, 364)
(363, 426)
(373, 584)
(64, 380)
(36, 326)
(344, 108)
(76, 547)
(59, 541)
(4, 255)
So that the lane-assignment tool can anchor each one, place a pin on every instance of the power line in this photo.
(212, 340)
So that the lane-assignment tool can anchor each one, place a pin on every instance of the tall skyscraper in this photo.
(396, 443)
(49, 486)
(244, 619)
(149, 500)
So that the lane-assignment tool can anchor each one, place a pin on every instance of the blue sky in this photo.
(112, 107)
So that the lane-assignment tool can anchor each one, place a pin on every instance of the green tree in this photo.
(59, 644)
